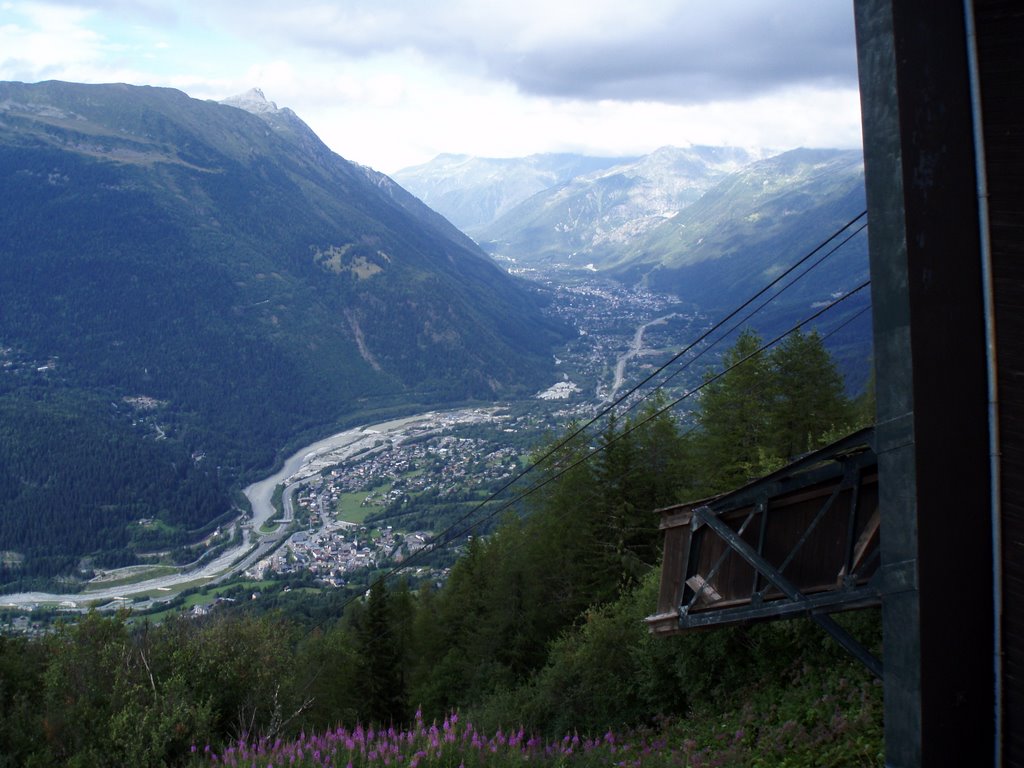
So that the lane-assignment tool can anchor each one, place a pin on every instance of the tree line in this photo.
(539, 624)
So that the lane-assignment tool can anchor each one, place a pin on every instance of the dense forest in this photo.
(257, 288)
(140, 494)
(539, 625)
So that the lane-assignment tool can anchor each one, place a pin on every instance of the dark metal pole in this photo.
(929, 345)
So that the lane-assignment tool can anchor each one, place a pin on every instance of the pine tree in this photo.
(768, 409)
(642, 468)
(382, 682)
(808, 400)
(734, 417)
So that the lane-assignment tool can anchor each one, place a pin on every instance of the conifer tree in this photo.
(734, 417)
(382, 682)
(768, 409)
(808, 401)
(643, 467)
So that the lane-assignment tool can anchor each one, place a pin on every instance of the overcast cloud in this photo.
(392, 82)
(664, 50)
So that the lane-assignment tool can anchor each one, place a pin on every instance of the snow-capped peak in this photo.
(252, 101)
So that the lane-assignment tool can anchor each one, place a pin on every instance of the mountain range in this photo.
(709, 225)
(472, 192)
(190, 288)
(703, 222)
(201, 284)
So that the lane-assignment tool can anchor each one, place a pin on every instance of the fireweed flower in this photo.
(453, 743)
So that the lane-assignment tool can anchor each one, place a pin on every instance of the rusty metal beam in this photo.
(774, 575)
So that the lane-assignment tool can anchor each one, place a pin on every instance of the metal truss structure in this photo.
(803, 541)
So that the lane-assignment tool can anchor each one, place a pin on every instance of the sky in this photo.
(393, 83)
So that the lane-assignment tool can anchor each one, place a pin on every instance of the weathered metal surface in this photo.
(932, 444)
(801, 541)
(1000, 41)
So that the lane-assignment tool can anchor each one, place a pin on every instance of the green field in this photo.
(350, 505)
(203, 597)
(155, 593)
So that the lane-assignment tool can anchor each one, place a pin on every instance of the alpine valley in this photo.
(192, 290)
(709, 226)
(187, 288)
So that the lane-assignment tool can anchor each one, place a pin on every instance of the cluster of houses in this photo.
(602, 311)
(332, 553)
(444, 464)
(14, 362)
(395, 470)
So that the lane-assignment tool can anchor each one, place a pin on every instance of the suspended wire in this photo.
(846, 322)
(437, 545)
(602, 413)
(716, 326)
(824, 338)
(655, 414)
(439, 540)
(739, 323)
(593, 452)
(443, 539)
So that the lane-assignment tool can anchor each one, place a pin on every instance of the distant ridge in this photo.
(472, 192)
(607, 209)
(704, 223)
(709, 225)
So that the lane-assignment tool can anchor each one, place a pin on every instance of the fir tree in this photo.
(808, 401)
(382, 682)
(734, 417)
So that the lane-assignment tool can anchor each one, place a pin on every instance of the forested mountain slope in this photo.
(214, 280)
(750, 226)
(539, 625)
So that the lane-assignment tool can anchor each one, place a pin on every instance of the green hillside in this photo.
(750, 226)
(537, 632)
(229, 267)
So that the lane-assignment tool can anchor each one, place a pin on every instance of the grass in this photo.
(204, 597)
(350, 506)
(735, 741)
(172, 591)
(276, 500)
(827, 720)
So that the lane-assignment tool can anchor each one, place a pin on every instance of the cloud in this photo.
(36, 40)
(671, 51)
(692, 59)
(140, 11)
(391, 83)
(677, 52)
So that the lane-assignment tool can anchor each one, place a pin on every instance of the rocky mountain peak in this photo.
(253, 101)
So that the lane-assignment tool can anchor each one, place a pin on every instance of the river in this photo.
(304, 463)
